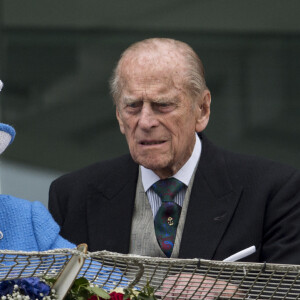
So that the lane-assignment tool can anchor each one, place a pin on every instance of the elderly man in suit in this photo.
(177, 194)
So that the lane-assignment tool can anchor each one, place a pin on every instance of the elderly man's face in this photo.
(158, 117)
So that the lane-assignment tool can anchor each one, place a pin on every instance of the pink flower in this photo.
(94, 297)
(113, 296)
(116, 296)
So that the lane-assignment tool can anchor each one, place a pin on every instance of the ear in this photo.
(119, 118)
(203, 110)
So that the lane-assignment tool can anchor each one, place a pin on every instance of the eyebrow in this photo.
(164, 99)
(128, 100)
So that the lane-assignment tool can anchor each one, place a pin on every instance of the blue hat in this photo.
(7, 133)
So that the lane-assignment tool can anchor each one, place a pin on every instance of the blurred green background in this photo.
(56, 58)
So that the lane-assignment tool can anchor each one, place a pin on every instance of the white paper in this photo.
(241, 254)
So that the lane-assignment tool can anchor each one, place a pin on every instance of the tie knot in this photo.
(166, 189)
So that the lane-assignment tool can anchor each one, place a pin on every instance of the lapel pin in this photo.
(170, 221)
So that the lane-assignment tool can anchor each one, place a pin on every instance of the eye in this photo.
(134, 106)
(164, 106)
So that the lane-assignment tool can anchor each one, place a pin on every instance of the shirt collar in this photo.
(184, 174)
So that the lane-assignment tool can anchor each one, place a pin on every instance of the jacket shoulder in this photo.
(245, 168)
(96, 170)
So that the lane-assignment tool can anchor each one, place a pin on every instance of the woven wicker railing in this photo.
(171, 278)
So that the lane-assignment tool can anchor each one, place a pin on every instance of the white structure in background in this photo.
(25, 182)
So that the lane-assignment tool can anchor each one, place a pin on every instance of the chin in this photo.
(153, 163)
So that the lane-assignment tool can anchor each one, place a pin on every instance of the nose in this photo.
(148, 119)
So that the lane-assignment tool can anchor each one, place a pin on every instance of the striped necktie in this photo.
(167, 217)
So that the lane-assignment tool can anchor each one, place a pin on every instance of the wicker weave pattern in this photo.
(200, 279)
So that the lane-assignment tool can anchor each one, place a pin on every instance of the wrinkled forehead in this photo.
(160, 67)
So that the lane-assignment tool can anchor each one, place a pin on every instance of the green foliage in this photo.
(81, 290)
(147, 293)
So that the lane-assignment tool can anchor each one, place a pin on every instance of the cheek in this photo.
(189, 123)
(129, 131)
(128, 124)
(183, 133)
(179, 128)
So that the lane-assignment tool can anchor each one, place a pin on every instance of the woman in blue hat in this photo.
(25, 225)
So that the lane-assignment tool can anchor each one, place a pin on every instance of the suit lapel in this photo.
(110, 208)
(212, 204)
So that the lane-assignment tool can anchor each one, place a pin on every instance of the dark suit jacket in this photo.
(237, 201)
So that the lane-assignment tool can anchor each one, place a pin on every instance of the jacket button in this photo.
(1, 235)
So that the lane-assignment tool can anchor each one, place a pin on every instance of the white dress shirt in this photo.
(184, 175)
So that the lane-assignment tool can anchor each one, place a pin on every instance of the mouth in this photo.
(151, 143)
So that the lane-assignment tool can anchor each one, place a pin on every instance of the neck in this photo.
(173, 169)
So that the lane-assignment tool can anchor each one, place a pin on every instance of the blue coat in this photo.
(28, 226)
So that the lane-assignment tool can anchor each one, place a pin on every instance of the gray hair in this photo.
(194, 80)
